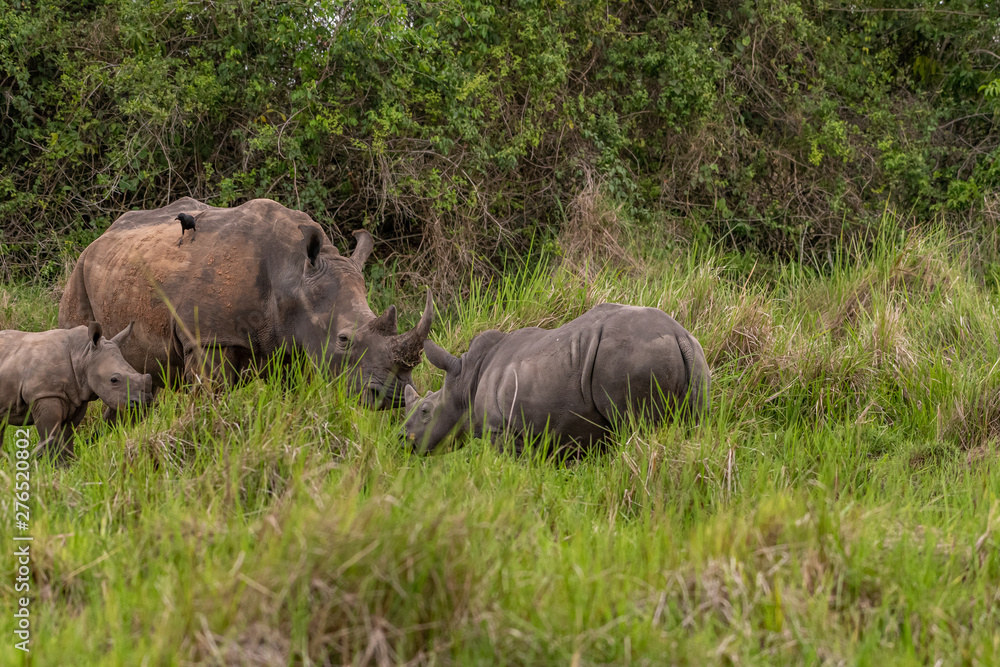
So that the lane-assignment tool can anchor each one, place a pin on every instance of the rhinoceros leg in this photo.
(77, 417)
(512, 443)
(216, 364)
(69, 428)
(48, 415)
(111, 415)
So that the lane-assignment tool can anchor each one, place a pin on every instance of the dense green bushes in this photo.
(460, 128)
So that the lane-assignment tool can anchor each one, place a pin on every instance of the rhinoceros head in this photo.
(382, 357)
(433, 417)
(108, 374)
(370, 350)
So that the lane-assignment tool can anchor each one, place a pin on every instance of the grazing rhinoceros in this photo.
(255, 278)
(47, 379)
(576, 381)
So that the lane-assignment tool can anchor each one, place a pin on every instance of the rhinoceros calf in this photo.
(576, 381)
(257, 278)
(47, 379)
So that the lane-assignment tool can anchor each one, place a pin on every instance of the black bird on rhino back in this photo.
(577, 381)
(187, 222)
(260, 278)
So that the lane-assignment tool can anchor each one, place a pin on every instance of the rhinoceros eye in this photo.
(343, 339)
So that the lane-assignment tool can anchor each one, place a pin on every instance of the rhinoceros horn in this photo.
(385, 323)
(408, 346)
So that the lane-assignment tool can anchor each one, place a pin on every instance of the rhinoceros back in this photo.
(647, 363)
(580, 379)
(699, 376)
(219, 287)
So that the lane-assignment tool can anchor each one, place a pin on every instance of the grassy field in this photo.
(839, 506)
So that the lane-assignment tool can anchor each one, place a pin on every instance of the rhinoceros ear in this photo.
(410, 397)
(123, 334)
(363, 249)
(441, 357)
(313, 242)
(94, 333)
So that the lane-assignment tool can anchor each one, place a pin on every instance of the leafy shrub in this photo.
(459, 130)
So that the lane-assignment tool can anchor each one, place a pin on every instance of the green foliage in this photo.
(779, 124)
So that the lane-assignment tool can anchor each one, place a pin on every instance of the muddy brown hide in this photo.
(576, 383)
(47, 379)
(255, 279)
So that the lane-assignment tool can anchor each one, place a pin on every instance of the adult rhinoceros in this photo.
(576, 382)
(253, 279)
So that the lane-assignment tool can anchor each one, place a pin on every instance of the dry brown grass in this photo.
(6, 309)
(975, 419)
(883, 340)
(699, 301)
(259, 645)
(592, 237)
(748, 333)
(917, 271)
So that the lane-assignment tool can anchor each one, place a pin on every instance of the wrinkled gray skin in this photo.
(257, 278)
(47, 379)
(577, 381)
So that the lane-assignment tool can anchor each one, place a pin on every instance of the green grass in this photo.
(840, 504)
